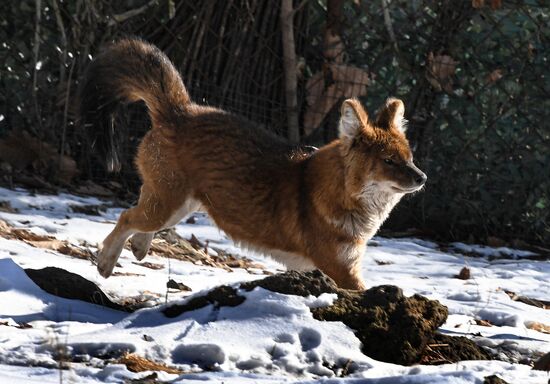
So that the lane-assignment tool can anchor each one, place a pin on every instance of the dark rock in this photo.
(494, 379)
(173, 284)
(444, 349)
(220, 296)
(391, 327)
(59, 282)
(296, 283)
(464, 274)
(543, 364)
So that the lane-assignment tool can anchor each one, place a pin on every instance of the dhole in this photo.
(305, 210)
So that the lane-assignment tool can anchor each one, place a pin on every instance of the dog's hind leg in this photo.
(141, 243)
(154, 212)
(113, 244)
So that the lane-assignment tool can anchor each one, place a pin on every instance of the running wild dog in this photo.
(305, 210)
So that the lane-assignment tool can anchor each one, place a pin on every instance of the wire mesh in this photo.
(473, 75)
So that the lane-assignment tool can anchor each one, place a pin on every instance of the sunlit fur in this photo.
(304, 209)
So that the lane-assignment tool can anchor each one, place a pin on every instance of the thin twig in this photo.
(289, 63)
(36, 49)
(389, 25)
(120, 18)
(65, 114)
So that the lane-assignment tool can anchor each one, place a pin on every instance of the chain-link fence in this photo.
(473, 74)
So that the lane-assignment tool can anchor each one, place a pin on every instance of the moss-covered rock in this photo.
(449, 349)
(391, 327)
(296, 283)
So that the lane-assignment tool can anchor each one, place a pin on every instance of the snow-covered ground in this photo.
(270, 338)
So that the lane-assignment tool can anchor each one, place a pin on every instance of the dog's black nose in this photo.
(421, 178)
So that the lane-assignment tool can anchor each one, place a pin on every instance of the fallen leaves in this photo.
(149, 265)
(42, 241)
(169, 244)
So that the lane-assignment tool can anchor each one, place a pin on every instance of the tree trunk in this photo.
(289, 63)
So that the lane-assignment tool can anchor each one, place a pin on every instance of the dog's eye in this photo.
(389, 161)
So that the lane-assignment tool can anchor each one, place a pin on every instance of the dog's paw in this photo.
(105, 265)
(140, 244)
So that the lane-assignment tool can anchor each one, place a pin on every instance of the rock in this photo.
(59, 282)
(219, 297)
(464, 274)
(296, 283)
(444, 349)
(494, 379)
(173, 284)
(391, 327)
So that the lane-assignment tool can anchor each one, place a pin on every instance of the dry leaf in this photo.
(149, 265)
(346, 82)
(493, 77)
(333, 47)
(496, 4)
(136, 363)
(483, 323)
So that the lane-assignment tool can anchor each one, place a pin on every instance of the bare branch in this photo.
(389, 25)
(131, 13)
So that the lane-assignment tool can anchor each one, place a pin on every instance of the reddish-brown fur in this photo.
(315, 210)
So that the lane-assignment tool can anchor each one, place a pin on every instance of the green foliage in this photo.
(484, 140)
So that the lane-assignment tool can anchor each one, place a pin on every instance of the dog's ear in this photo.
(392, 115)
(353, 120)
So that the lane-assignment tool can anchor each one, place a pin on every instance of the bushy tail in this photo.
(128, 71)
